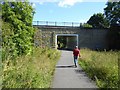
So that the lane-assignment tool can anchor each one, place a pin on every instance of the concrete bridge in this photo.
(70, 35)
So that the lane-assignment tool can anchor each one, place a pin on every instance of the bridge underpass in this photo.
(66, 41)
(49, 35)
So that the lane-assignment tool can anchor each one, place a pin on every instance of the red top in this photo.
(76, 52)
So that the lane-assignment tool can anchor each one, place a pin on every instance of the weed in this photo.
(101, 67)
(30, 71)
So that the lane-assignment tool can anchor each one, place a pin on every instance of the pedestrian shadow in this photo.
(66, 66)
(80, 71)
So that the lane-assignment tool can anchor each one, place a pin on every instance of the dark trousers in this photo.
(75, 60)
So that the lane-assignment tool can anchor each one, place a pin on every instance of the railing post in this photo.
(47, 23)
(80, 24)
(72, 24)
(64, 23)
(55, 23)
(37, 22)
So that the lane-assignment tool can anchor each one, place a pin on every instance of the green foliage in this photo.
(30, 71)
(37, 37)
(101, 66)
(61, 42)
(8, 45)
(42, 39)
(98, 21)
(19, 15)
(112, 12)
(86, 25)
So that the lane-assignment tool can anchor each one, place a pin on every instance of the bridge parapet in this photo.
(65, 24)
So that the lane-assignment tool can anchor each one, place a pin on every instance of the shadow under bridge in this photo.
(66, 41)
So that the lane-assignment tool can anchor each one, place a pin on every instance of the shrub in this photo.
(19, 38)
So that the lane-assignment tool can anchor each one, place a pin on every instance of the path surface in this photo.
(67, 76)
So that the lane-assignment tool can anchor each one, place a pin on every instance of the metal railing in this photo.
(48, 23)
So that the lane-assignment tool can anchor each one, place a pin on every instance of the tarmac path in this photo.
(67, 76)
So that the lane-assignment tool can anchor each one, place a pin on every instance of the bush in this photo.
(17, 29)
(8, 45)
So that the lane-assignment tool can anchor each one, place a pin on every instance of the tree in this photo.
(112, 12)
(113, 37)
(98, 21)
(20, 16)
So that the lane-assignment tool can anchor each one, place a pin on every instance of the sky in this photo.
(67, 10)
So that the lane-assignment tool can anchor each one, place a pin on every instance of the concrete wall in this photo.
(87, 38)
(71, 42)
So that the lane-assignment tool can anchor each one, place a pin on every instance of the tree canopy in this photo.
(112, 12)
(20, 16)
(98, 21)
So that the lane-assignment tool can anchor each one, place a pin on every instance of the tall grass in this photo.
(31, 71)
(0, 68)
(101, 67)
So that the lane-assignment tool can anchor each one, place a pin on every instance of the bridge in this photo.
(69, 34)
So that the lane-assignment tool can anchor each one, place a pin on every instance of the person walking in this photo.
(76, 54)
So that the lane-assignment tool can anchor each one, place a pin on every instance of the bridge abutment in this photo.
(83, 38)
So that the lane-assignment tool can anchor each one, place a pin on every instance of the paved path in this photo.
(67, 76)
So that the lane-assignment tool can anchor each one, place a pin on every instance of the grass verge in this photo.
(101, 67)
(31, 71)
